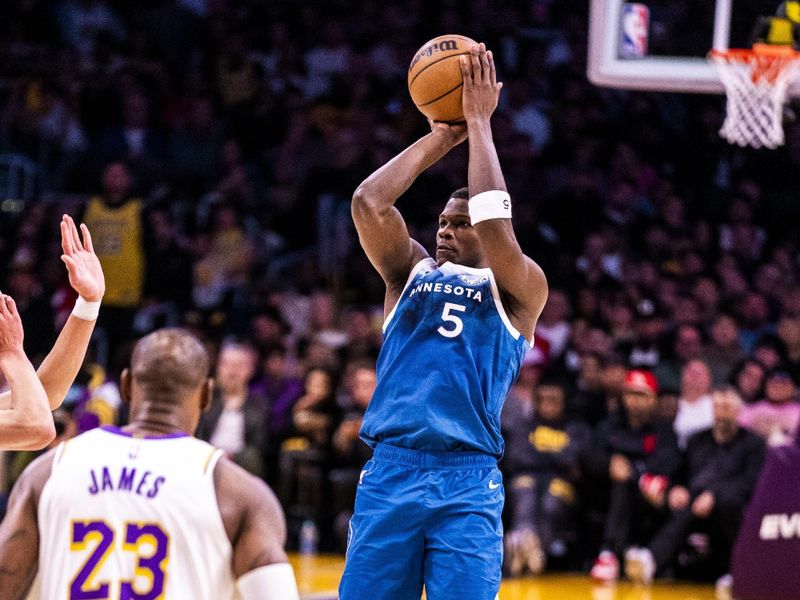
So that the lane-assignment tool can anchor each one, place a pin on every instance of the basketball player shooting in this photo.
(456, 329)
(25, 419)
(146, 511)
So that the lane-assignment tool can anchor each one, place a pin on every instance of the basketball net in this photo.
(756, 83)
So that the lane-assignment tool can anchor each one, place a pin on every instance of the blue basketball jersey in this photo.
(449, 357)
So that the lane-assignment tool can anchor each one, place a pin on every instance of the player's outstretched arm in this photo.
(255, 524)
(490, 206)
(25, 419)
(60, 367)
(381, 229)
(19, 531)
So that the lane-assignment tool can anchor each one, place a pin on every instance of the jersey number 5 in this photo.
(146, 539)
(448, 317)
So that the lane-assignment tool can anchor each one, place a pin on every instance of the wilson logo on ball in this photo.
(443, 46)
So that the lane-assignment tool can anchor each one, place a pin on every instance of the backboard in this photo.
(680, 34)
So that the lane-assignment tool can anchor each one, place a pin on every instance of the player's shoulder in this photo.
(33, 479)
(242, 490)
(419, 261)
(242, 497)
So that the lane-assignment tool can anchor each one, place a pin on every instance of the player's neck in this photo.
(148, 428)
(150, 420)
(481, 264)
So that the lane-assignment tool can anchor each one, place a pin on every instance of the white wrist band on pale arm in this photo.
(494, 204)
(273, 582)
(88, 311)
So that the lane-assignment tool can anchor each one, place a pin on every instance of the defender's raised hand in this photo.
(481, 89)
(85, 273)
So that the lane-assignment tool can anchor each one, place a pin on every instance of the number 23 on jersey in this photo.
(147, 542)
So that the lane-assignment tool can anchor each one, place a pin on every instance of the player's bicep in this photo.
(262, 536)
(384, 236)
(517, 275)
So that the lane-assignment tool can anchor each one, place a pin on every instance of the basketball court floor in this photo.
(318, 578)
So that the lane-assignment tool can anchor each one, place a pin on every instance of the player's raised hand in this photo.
(85, 273)
(481, 89)
(11, 332)
(454, 132)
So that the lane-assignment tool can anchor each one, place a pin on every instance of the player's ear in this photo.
(125, 386)
(206, 394)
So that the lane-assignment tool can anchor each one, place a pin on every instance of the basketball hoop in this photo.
(756, 83)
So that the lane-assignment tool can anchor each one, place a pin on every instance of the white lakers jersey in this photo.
(133, 518)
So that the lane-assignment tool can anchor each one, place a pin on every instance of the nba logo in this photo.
(635, 23)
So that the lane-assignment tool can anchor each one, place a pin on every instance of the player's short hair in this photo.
(170, 363)
(461, 193)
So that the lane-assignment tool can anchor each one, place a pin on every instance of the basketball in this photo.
(434, 77)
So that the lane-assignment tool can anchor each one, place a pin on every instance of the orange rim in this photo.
(766, 60)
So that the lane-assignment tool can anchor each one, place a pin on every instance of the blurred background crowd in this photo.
(212, 148)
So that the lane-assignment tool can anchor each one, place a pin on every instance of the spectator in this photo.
(695, 408)
(349, 452)
(776, 417)
(721, 468)
(362, 341)
(634, 455)
(789, 333)
(83, 21)
(93, 399)
(769, 351)
(543, 463)
(280, 389)
(748, 379)
(134, 140)
(116, 220)
(167, 287)
(753, 315)
(724, 350)
(268, 329)
(236, 74)
(195, 147)
(323, 326)
(553, 324)
(305, 456)
(223, 268)
(33, 306)
(588, 403)
(644, 351)
(235, 420)
(620, 319)
(614, 372)
(519, 403)
(326, 59)
(687, 345)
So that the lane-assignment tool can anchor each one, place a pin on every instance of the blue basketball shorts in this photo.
(425, 518)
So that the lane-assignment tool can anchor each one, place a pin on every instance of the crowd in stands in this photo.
(212, 148)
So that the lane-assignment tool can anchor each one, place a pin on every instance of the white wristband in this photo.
(494, 204)
(88, 311)
(272, 582)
